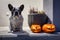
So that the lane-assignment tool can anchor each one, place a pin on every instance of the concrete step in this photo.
(5, 32)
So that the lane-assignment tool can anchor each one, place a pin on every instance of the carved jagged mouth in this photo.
(50, 28)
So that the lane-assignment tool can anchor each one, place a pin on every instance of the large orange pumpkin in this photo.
(35, 28)
(49, 28)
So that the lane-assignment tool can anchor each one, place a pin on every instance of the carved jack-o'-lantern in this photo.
(35, 28)
(49, 28)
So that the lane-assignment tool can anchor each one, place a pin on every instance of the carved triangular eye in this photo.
(10, 7)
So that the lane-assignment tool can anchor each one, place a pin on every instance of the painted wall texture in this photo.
(48, 8)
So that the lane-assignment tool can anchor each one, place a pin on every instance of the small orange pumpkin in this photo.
(35, 28)
(49, 28)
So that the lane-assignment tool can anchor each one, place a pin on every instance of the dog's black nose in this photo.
(16, 13)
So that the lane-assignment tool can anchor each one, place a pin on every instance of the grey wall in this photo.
(48, 8)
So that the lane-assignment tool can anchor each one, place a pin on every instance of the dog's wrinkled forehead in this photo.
(15, 12)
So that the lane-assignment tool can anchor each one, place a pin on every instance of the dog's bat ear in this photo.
(21, 8)
(10, 7)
